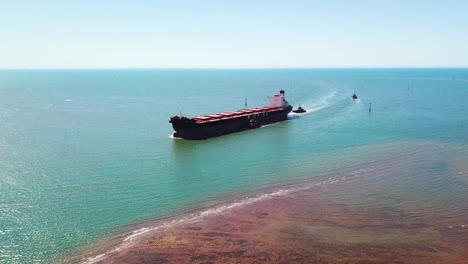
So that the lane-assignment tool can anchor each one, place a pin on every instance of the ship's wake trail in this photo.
(310, 110)
(318, 105)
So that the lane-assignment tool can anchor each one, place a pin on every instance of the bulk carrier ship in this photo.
(208, 126)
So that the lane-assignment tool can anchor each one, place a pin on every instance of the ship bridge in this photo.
(278, 100)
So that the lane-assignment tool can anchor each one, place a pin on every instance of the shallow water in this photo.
(86, 154)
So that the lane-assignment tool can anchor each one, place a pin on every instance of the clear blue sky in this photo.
(233, 34)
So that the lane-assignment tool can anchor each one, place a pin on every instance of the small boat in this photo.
(354, 97)
(299, 110)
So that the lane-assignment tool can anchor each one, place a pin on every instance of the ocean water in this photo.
(88, 154)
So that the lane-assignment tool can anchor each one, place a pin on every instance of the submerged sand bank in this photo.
(369, 213)
(306, 226)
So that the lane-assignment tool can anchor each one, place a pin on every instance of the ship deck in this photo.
(239, 113)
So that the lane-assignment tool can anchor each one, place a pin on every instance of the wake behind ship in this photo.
(208, 126)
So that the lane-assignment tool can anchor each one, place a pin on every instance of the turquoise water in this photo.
(86, 154)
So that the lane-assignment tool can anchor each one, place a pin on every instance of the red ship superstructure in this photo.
(207, 126)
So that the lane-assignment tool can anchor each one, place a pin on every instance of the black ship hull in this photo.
(189, 129)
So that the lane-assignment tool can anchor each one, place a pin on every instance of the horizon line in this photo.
(239, 68)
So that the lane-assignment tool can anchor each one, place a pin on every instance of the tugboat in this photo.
(354, 97)
(299, 110)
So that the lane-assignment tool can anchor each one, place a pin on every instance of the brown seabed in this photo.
(308, 226)
(355, 217)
